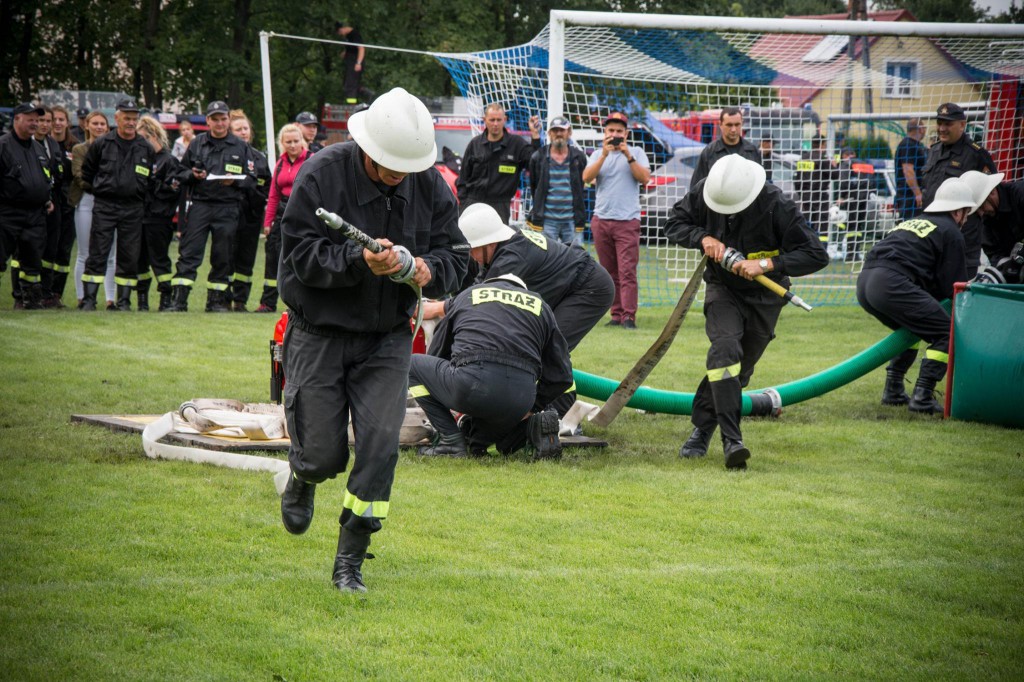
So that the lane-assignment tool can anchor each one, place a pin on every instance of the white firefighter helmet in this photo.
(481, 225)
(981, 185)
(396, 131)
(732, 184)
(952, 194)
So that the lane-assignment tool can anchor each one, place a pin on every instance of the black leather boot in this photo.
(89, 291)
(180, 302)
(166, 303)
(894, 393)
(542, 431)
(215, 302)
(923, 400)
(142, 294)
(445, 445)
(736, 453)
(348, 564)
(297, 505)
(697, 444)
(124, 298)
(32, 295)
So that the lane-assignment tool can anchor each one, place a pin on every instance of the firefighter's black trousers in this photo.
(496, 396)
(219, 221)
(896, 301)
(110, 218)
(739, 331)
(326, 379)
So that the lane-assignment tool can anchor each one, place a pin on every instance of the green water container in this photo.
(988, 354)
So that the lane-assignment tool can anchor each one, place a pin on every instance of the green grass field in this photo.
(862, 543)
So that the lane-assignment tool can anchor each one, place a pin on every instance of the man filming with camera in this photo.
(619, 171)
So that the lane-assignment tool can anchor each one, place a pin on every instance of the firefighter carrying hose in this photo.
(734, 208)
(348, 344)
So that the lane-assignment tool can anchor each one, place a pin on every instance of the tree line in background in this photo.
(193, 51)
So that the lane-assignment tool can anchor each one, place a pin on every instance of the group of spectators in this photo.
(125, 193)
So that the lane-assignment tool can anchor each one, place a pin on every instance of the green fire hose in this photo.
(763, 401)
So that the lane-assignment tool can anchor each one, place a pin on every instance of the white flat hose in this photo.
(168, 424)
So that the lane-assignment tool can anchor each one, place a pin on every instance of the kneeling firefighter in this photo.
(499, 358)
(905, 276)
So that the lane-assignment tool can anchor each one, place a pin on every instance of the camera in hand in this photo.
(616, 141)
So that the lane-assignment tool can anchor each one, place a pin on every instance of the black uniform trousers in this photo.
(159, 231)
(246, 243)
(53, 229)
(739, 331)
(218, 221)
(61, 257)
(496, 396)
(327, 378)
(896, 301)
(577, 313)
(272, 254)
(23, 236)
(109, 218)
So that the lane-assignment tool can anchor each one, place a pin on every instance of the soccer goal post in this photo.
(854, 83)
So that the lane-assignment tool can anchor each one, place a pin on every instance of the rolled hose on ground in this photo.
(763, 401)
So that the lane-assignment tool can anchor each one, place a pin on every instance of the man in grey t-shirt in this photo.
(619, 170)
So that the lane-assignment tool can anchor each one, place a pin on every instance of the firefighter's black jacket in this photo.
(490, 170)
(500, 321)
(23, 168)
(772, 228)
(227, 155)
(255, 201)
(929, 250)
(164, 187)
(952, 161)
(323, 277)
(719, 149)
(118, 170)
(548, 267)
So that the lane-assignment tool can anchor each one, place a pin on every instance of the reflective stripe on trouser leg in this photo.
(364, 375)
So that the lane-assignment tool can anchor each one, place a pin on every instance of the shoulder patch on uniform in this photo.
(918, 226)
(537, 238)
(517, 299)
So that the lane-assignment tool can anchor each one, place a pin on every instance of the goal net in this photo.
(827, 100)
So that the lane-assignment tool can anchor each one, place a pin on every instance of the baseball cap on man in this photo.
(558, 122)
(217, 107)
(617, 117)
(127, 104)
(28, 108)
(950, 112)
(305, 118)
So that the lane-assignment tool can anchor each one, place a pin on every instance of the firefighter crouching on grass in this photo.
(733, 207)
(905, 276)
(578, 289)
(499, 358)
(349, 343)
